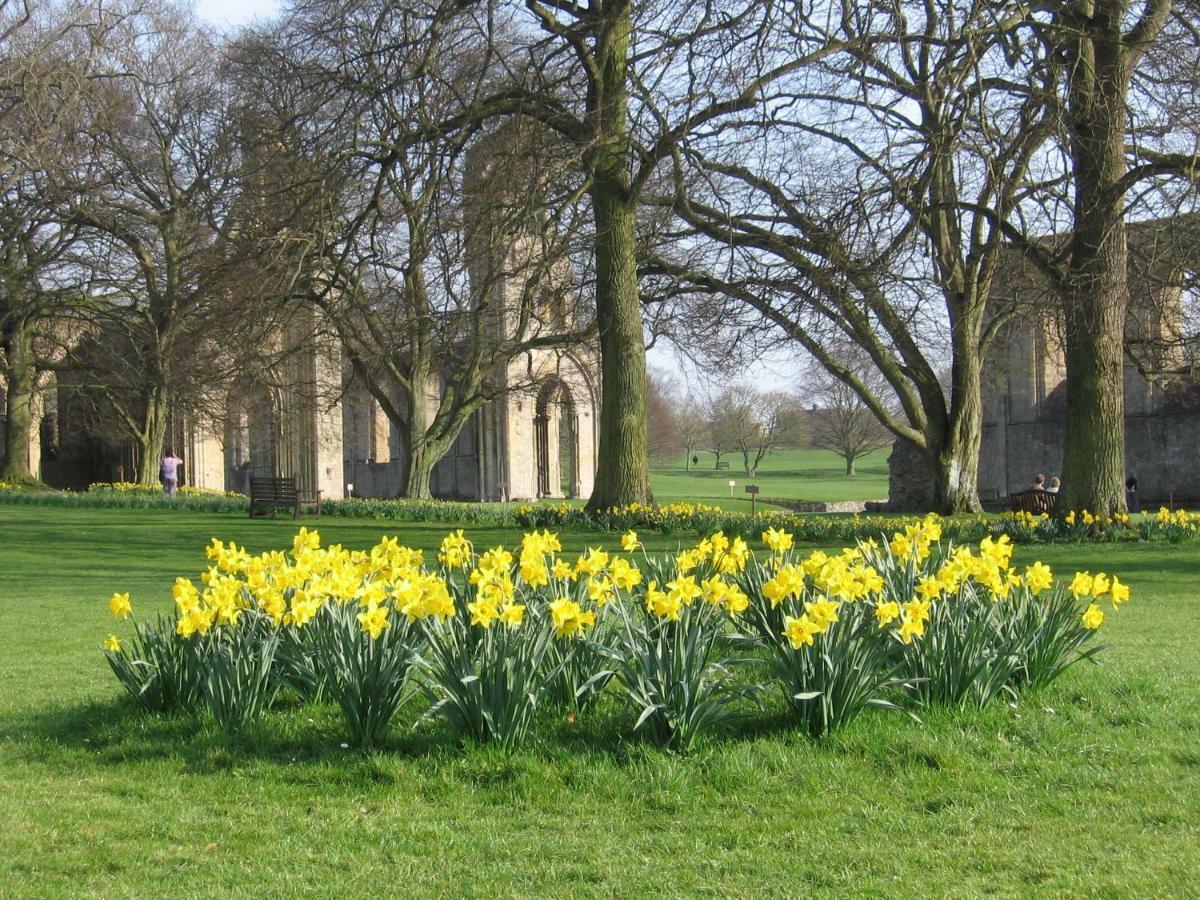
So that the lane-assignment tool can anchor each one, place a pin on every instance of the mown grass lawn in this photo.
(1091, 788)
(816, 475)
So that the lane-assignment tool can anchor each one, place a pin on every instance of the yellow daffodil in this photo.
(823, 613)
(568, 618)
(1038, 578)
(911, 628)
(512, 615)
(1081, 585)
(1118, 593)
(455, 552)
(929, 588)
(120, 606)
(885, 613)
(777, 540)
(800, 631)
(917, 610)
(373, 620)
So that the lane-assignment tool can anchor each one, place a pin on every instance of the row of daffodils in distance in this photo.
(1166, 524)
(491, 638)
(672, 518)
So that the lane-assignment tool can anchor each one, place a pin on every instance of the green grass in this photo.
(817, 475)
(1088, 789)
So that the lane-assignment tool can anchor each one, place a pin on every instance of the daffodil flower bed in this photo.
(124, 495)
(688, 642)
(699, 518)
(672, 518)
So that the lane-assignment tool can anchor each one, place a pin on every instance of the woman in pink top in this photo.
(168, 472)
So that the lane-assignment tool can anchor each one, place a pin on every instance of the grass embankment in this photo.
(1090, 788)
(815, 475)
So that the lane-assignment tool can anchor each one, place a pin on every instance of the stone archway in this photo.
(252, 436)
(556, 441)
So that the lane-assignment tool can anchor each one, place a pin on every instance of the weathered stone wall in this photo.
(1162, 450)
(910, 482)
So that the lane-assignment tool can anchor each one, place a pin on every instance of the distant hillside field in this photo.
(817, 475)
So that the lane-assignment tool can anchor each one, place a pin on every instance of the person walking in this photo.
(168, 472)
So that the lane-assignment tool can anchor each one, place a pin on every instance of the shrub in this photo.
(673, 518)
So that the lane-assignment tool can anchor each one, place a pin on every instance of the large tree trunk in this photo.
(153, 435)
(623, 470)
(622, 474)
(957, 461)
(21, 377)
(426, 441)
(850, 461)
(419, 472)
(956, 471)
(1098, 288)
(415, 433)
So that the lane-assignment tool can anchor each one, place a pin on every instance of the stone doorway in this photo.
(556, 440)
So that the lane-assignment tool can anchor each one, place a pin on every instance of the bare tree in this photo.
(840, 421)
(867, 205)
(1119, 156)
(755, 423)
(694, 432)
(169, 308)
(46, 66)
(624, 84)
(439, 259)
(663, 432)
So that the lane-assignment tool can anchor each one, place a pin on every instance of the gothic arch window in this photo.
(556, 441)
(252, 436)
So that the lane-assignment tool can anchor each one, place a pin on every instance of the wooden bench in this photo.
(722, 465)
(1034, 501)
(274, 493)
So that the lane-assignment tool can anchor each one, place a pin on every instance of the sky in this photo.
(229, 13)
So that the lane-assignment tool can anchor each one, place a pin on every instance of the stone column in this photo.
(326, 421)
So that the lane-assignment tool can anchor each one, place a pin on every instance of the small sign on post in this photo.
(732, 485)
(752, 490)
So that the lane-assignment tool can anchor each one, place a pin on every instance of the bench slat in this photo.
(274, 492)
(1034, 501)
